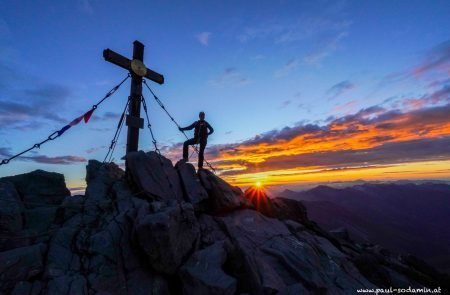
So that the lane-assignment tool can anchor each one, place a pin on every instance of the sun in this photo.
(258, 184)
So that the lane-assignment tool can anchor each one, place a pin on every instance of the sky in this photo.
(298, 92)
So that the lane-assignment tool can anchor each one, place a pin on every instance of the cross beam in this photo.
(138, 71)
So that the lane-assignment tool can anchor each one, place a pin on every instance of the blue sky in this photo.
(252, 66)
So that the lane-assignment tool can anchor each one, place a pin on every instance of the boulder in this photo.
(210, 230)
(270, 259)
(193, 189)
(340, 233)
(40, 188)
(289, 209)
(222, 196)
(39, 219)
(99, 179)
(20, 264)
(75, 284)
(203, 273)
(61, 259)
(154, 175)
(11, 208)
(168, 236)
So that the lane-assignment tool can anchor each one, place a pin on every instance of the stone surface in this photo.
(271, 259)
(168, 236)
(203, 273)
(154, 175)
(20, 264)
(99, 178)
(11, 208)
(222, 196)
(193, 189)
(40, 188)
(39, 219)
(119, 239)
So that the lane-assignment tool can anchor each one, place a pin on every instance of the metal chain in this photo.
(175, 122)
(58, 133)
(116, 135)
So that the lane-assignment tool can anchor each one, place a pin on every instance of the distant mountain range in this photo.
(403, 217)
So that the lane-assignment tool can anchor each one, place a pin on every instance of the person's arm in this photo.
(188, 127)
(211, 130)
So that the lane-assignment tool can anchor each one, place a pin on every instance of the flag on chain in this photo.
(86, 116)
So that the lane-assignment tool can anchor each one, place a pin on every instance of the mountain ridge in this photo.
(165, 229)
(414, 217)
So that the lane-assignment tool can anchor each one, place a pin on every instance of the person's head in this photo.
(201, 115)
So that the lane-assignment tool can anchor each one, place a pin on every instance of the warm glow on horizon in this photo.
(405, 171)
(258, 184)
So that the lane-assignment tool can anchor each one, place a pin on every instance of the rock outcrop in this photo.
(161, 229)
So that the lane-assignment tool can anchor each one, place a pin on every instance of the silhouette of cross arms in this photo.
(132, 66)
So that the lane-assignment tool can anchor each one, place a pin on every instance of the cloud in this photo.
(230, 77)
(203, 38)
(339, 88)
(371, 136)
(59, 160)
(440, 96)
(285, 104)
(95, 149)
(5, 152)
(328, 46)
(438, 58)
(106, 116)
(287, 68)
(293, 31)
(346, 107)
(25, 109)
(390, 153)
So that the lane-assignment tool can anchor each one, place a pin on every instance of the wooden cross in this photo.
(138, 71)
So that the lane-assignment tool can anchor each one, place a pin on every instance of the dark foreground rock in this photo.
(166, 230)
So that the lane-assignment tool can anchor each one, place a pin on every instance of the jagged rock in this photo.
(28, 288)
(154, 175)
(75, 284)
(39, 219)
(210, 230)
(11, 208)
(40, 188)
(269, 258)
(168, 236)
(22, 288)
(290, 209)
(203, 273)
(60, 258)
(20, 264)
(222, 196)
(117, 240)
(280, 208)
(340, 233)
(99, 179)
(194, 191)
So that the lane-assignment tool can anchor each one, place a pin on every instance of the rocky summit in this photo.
(164, 229)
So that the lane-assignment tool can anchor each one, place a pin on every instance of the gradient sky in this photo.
(297, 91)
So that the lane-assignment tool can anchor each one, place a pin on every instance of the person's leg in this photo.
(200, 154)
(186, 145)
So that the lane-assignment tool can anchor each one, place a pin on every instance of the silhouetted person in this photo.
(201, 132)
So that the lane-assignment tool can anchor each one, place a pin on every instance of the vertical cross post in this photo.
(134, 121)
(138, 71)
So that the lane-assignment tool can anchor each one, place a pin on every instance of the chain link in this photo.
(113, 144)
(58, 133)
(175, 122)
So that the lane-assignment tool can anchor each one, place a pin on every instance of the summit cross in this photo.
(138, 71)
